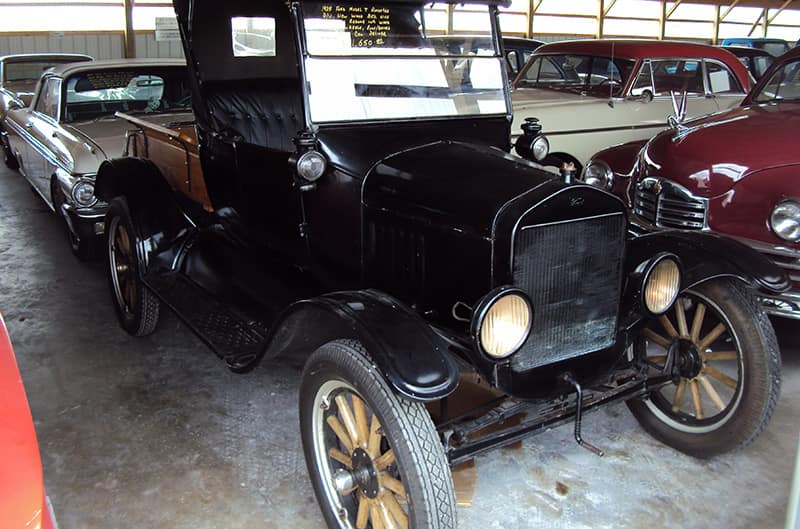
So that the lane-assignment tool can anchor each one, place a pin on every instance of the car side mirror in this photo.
(15, 104)
(645, 97)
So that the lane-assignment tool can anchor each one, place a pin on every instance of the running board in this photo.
(234, 339)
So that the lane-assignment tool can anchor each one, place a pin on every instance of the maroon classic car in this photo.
(734, 173)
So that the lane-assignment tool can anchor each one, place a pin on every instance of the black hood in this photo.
(470, 188)
(452, 183)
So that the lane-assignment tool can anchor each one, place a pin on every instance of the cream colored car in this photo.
(70, 128)
(591, 94)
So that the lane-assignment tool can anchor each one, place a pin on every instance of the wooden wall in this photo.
(100, 45)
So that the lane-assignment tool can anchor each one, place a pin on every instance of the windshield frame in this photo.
(494, 38)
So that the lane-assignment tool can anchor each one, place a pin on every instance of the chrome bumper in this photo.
(786, 305)
(94, 215)
(787, 259)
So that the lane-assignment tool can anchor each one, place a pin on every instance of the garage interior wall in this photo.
(98, 27)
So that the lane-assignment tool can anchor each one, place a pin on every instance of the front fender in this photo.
(152, 203)
(707, 256)
(412, 357)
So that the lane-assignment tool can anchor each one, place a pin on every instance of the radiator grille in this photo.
(572, 273)
(667, 205)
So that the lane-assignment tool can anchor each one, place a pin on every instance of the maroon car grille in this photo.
(667, 205)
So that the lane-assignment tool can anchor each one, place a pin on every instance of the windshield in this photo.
(784, 85)
(373, 62)
(96, 94)
(774, 48)
(586, 73)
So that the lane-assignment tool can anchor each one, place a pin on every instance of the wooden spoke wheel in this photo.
(726, 370)
(374, 458)
(137, 308)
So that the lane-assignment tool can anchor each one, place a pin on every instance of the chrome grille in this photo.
(572, 272)
(669, 205)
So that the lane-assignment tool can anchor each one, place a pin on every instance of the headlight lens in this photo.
(311, 166)
(785, 221)
(83, 194)
(598, 174)
(540, 148)
(662, 284)
(505, 325)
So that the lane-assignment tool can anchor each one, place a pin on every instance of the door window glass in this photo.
(677, 75)
(47, 103)
(721, 80)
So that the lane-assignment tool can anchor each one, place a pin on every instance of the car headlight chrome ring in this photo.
(502, 322)
(662, 284)
(311, 165)
(83, 193)
(785, 220)
(599, 174)
(540, 148)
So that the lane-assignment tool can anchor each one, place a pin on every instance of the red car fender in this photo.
(22, 498)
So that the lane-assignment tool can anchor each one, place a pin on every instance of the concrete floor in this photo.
(157, 433)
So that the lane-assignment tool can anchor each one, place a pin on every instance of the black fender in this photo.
(154, 208)
(411, 356)
(706, 256)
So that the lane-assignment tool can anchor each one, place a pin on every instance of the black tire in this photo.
(136, 306)
(9, 159)
(82, 242)
(742, 365)
(342, 370)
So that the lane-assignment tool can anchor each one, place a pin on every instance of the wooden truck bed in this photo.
(174, 151)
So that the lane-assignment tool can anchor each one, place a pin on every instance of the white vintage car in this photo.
(592, 94)
(18, 76)
(70, 128)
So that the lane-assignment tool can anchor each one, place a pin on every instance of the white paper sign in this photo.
(167, 29)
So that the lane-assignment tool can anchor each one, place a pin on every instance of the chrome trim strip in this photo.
(39, 146)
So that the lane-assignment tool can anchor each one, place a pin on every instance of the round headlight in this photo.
(311, 166)
(83, 194)
(540, 148)
(598, 174)
(504, 324)
(661, 286)
(785, 221)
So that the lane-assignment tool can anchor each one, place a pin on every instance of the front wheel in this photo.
(82, 240)
(374, 458)
(727, 375)
(136, 306)
(9, 158)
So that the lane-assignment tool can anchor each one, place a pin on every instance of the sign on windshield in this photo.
(372, 62)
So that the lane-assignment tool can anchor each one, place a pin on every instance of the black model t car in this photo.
(347, 197)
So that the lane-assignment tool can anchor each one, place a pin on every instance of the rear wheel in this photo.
(374, 458)
(727, 376)
(136, 306)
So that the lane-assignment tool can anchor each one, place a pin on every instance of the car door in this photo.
(42, 126)
(723, 87)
